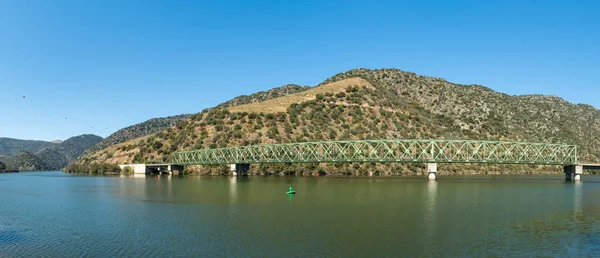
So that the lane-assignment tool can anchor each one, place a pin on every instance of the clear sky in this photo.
(96, 66)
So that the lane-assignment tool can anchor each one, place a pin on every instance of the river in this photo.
(51, 214)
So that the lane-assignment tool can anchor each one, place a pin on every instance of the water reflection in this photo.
(430, 210)
(233, 190)
(578, 199)
(147, 188)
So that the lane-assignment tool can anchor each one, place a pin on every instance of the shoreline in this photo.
(314, 174)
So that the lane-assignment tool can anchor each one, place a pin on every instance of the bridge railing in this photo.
(440, 151)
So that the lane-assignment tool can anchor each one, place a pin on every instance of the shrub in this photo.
(127, 170)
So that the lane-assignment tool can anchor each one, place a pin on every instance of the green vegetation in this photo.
(24, 161)
(95, 168)
(384, 104)
(138, 130)
(127, 170)
(2, 167)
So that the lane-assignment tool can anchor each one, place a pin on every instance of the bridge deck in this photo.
(590, 166)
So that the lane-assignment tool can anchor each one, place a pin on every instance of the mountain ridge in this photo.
(10, 146)
(26, 155)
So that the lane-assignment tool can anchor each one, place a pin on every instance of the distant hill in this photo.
(9, 146)
(25, 155)
(60, 155)
(372, 104)
(24, 161)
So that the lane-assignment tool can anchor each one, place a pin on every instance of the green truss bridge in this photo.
(422, 151)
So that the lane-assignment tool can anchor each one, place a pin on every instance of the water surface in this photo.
(60, 215)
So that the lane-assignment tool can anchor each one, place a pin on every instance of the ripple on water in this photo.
(550, 236)
(11, 237)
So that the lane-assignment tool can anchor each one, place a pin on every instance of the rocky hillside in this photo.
(482, 113)
(24, 155)
(373, 104)
(159, 124)
(138, 130)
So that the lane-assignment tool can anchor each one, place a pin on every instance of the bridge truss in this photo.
(438, 151)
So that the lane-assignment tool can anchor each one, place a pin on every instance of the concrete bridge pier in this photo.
(176, 169)
(568, 170)
(240, 169)
(431, 171)
(577, 170)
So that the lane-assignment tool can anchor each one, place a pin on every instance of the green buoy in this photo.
(291, 191)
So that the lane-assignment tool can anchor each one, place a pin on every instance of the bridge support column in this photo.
(568, 171)
(431, 171)
(573, 169)
(176, 169)
(240, 169)
(578, 172)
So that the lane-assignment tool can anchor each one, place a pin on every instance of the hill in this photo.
(138, 130)
(159, 124)
(60, 155)
(264, 95)
(9, 146)
(373, 104)
(281, 104)
(22, 155)
(24, 161)
(486, 114)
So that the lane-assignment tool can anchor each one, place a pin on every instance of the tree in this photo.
(2, 167)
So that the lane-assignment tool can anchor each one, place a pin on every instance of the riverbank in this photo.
(339, 169)
(325, 174)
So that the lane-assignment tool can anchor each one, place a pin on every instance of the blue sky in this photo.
(96, 66)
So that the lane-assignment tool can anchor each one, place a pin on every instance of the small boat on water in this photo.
(291, 191)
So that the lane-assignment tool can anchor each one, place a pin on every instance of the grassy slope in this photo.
(281, 104)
